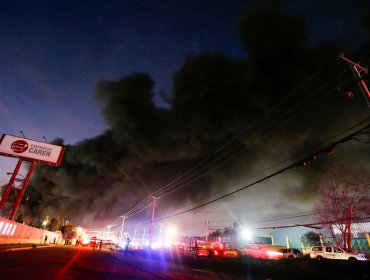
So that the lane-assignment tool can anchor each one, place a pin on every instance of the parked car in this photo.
(232, 253)
(262, 251)
(111, 246)
(290, 253)
(195, 251)
(215, 252)
(334, 252)
(177, 248)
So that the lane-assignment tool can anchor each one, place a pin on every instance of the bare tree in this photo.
(343, 201)
(310, 238)
(54, 224)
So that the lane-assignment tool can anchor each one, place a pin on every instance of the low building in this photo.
(291, 237)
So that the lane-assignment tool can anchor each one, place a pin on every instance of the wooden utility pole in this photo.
(206, 224)
(357, 69)
(123, 223)
(152, 223)
(143, 240)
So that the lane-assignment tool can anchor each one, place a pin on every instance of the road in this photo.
(69, 262)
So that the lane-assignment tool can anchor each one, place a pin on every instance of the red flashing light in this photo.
(330, 150)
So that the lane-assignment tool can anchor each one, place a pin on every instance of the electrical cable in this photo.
(168, 189)
(298, 163)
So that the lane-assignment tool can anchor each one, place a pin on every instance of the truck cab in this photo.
(334, 252)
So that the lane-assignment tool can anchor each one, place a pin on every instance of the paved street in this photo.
(59, 262)
(68, 262)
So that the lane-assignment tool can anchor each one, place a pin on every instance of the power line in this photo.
(190, 176)
(310, 224)
(301, 162)
(267, 127)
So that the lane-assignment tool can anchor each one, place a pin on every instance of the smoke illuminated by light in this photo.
(171, 232)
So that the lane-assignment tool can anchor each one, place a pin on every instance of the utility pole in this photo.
(108, 232)
(143, 240)
(152, 223)
(160, 234)
(207, 223)
(357, 69)
(133, 241)
(123, 223)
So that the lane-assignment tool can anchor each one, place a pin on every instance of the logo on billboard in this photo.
(19, 146)
(31, 150)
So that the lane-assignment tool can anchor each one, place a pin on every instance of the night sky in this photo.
(61, 61)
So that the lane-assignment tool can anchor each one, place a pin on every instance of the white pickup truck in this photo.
(334, 252)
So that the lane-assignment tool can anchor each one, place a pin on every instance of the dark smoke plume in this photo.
(216, 101)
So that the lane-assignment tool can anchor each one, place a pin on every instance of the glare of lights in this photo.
(108, 233)
(156, 245)
(273, 254)
(136, 245)
(170, 236)
(44, 223)
(246, 234)
(85, 240)
(171, 233)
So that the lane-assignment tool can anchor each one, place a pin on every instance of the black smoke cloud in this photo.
(216, 101)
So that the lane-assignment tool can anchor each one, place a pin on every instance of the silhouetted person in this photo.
(128, 240)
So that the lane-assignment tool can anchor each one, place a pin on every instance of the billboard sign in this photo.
(31, 150)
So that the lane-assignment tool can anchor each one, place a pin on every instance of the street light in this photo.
(247, 234)
(10, 173)
(17, 179)
(44, 223)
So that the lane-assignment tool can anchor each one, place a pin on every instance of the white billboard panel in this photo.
(31, 150)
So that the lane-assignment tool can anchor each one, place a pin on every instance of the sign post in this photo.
(30, 151)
